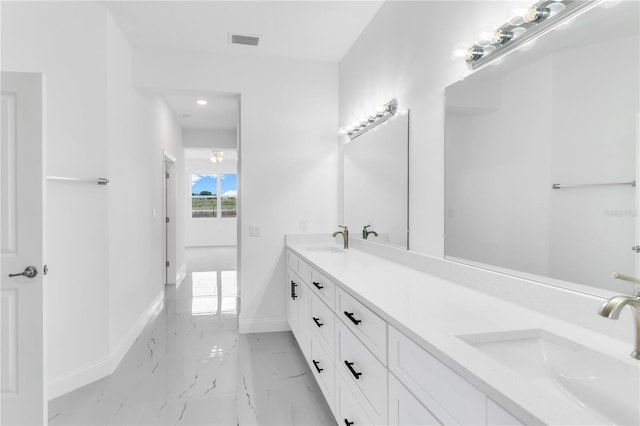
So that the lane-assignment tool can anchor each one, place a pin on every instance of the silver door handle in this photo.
(29, 272)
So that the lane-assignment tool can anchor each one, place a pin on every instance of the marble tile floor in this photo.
(190, 366)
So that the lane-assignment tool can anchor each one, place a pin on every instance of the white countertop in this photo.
(433, 312)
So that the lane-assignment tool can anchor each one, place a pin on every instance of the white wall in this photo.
(205, 231)
(140, 127)
(46, 38)
(208, 138)
(97, 126)
(288, 158)
(405, 53)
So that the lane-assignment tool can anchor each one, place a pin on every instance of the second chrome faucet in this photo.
(345, 236)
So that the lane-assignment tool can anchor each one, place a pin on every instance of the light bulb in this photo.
(501, 36)
(474, 53)
(555, 8)
(536, 14)
(516, 16)
(459, 51)
(201, 102)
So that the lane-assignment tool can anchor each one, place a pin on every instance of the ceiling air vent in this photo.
(245, 39)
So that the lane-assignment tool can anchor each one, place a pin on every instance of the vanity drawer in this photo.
(323, 369)
(298, 265)
(435, 385)
(348, 410)
(323, 287)
(369, 327)
(363, 372)
(321, 320)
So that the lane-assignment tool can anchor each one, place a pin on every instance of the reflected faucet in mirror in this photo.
(366, 232)
(345, 236)
(612, 308)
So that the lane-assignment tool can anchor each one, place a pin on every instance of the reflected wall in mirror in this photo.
(564, 112)
(376, 183)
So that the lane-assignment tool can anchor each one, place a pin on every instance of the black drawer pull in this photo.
(347, 422)
(354, 372)
(353, 320)
(318, 286)
(293, 290)
(317, 321)
(315, 363)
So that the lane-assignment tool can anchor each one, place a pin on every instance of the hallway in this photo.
(191, 367)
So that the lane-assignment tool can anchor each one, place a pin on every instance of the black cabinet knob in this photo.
(347, 422)
(315, 364)
(293, 290)
(350, 316)
(354, 372)
(318, 286)
(317, 321)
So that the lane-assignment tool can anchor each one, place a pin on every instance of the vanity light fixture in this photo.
(381, 114)
(216, 157)
(522, 27)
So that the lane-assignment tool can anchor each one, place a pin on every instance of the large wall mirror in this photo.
(376, 183)
(542, 156)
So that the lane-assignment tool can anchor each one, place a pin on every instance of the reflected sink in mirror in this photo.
(603, 385)
(326, 249)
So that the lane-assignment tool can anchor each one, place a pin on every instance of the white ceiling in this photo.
(205, 154)
(310, 30)
(306, 30)
(221, 112)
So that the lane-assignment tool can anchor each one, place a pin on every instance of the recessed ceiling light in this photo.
(201, 102)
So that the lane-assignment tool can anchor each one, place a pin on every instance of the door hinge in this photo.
(166, 175)
(636, 249)
(167, 220)
(45, 270)
(167, 263)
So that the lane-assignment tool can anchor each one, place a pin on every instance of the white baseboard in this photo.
(79, 377)
(263, 326)
(121, 349)
(104, 367)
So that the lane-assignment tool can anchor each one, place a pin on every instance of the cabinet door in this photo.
(348, 410)
(292, 290)
(303, 331)
(406, 409)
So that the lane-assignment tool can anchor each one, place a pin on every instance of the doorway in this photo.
(170, 194)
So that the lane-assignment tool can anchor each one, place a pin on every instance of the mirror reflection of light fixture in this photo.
(381, 114)
(522, 26)
(216, 157)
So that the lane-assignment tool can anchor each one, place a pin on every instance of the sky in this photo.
(208, 182)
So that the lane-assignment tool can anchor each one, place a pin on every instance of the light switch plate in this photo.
(304, 225)
(255, 230)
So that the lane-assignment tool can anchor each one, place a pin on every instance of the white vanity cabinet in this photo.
(369, 371)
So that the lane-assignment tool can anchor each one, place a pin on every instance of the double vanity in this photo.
(391, 344)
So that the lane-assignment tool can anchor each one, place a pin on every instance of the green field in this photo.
(206, 206)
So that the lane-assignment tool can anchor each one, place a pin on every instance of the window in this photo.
(229, 191)
(204, 195)
(205, 201)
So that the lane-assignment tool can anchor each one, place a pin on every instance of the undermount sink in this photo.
(605, 386)
(326, 249)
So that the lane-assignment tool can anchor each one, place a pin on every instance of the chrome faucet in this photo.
(612, 307)
(366, 232)
(345, 236)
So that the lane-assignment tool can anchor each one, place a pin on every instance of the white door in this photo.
(637, 240)
(22, 236)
